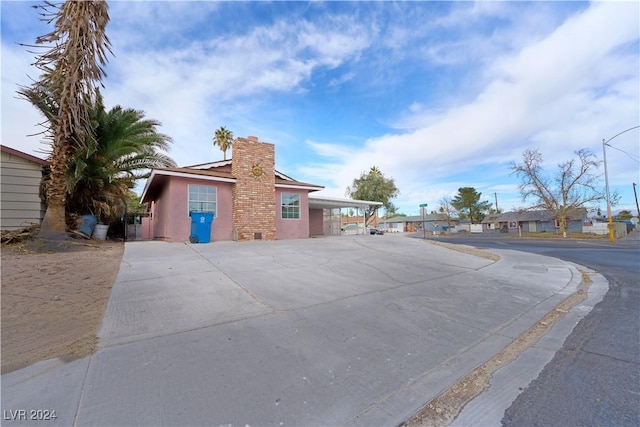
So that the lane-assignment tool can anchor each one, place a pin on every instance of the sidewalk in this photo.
(360, 330)
(633, 236)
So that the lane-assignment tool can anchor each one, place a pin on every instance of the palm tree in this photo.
(127, 148)
(223, 138)
(72, 69)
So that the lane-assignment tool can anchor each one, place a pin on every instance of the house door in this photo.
(532, 226)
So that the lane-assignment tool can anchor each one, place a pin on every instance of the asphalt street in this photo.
(595, 377)
(360, 330)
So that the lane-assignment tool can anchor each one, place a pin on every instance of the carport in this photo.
(332, 211)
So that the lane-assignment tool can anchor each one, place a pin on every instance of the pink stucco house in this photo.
(248, 197)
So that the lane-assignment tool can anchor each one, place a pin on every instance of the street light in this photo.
(606, 182)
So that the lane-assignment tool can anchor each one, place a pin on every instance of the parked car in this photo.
(352, 229)
(375, 231)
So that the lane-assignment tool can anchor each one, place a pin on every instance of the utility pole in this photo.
(496, 196)
(636, 195)
(606, 181)
(612, 237)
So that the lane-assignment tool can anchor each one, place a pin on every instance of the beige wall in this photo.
(20, 203)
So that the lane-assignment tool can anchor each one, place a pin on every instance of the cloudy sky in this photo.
(438, 95)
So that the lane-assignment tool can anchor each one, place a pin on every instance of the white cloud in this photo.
(342, 79)
(330, 150)
(501, 88)
(193, 88)
(553, 93)
(19, 118)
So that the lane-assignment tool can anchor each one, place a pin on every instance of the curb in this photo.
(509, 381)
(481, 396)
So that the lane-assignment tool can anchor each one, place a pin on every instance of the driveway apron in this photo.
(355, 330)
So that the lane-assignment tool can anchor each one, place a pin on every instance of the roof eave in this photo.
(162, 172)
(23, 155)
(300, 187)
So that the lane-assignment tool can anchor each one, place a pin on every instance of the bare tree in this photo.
(573, 187)
(447, 209)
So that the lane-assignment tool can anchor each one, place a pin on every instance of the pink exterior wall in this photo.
(158, 219)
(292, 228)
(170, 219)
(316, 222)
(146, 228)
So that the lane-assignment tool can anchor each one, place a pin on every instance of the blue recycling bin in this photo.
(88, 224)
(201, 227)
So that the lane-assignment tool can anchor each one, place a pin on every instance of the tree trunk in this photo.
(54, 222)
(54, 225)
(562, 224)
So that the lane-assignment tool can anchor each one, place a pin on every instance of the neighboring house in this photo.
(248, 197)
(538, 221)
(353, 222)
(432, 223)
(600, 225)
(20, 176)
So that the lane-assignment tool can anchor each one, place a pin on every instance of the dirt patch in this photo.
(53, 303)
(445, 408)
(467, 250)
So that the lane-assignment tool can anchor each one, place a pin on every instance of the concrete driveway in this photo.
(359, 330)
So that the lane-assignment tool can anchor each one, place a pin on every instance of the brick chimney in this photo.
(254, 194)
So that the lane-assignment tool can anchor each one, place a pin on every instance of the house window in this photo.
(202, 198)
(290, 206)
(557, 224)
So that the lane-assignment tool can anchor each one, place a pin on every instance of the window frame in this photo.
(290, 209)
(198, 200)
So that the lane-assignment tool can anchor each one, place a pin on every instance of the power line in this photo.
(618, 134)
(631, 156)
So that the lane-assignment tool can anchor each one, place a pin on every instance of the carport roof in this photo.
(319, 202)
